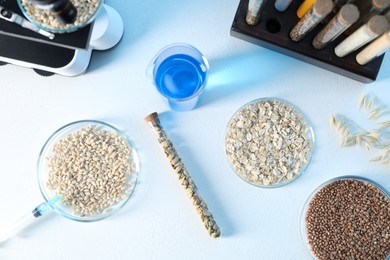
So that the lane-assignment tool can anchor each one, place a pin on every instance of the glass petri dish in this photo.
(46, 21)
(302, 219)
(44, 169)
(255, 172)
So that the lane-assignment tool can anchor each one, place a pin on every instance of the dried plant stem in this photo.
(184, 176)
(376, 110)
(353, 134)
(384, 158)
(350, 132)
(384, 125)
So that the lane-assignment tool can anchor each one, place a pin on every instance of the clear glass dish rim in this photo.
(310, 130)
(56, 135)
(54, 30)
(302, 217)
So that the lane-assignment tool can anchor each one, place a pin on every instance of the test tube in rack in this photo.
(255, 8)
(376, 26)
(367, 8)
(316, 13)
(347, 15)
(374, 49)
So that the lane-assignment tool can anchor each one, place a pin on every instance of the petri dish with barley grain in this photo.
(92, 165)
(268, 142)
(347, 216)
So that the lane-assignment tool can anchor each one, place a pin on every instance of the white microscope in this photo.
(27, 44)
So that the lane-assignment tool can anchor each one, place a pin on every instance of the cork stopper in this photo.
(349, 14)
(381, 4)
(152, 118)
(377, 24)
(323, 7)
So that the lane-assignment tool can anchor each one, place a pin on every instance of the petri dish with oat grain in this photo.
(268, 142)
(46, 20)
(93, 165)
(347, 216)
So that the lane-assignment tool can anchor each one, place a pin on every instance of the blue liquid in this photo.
(180, 76)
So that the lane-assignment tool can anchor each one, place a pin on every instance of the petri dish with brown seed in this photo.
(347, 217)
(93, 165)
(268, 142)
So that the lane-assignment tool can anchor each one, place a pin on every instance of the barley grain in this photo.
(77, 170)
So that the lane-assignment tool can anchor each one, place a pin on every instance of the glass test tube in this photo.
(282, 5)
(347, 15)
(387, 15)
(374, 49)
(313, 16)
(368, 8)
(337, 4)
(185, 178)
(365, 34)
(304, 7)
(255, 8)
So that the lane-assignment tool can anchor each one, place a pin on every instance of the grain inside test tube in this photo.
(374, 49)
(255, 8)
(376, 26)
(319, 10)
(183, 175)
(347, 15)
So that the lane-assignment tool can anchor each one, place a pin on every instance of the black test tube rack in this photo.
(273, 30)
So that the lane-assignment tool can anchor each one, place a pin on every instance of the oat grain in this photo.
(268, 142)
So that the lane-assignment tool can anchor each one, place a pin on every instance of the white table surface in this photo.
(159, 222)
